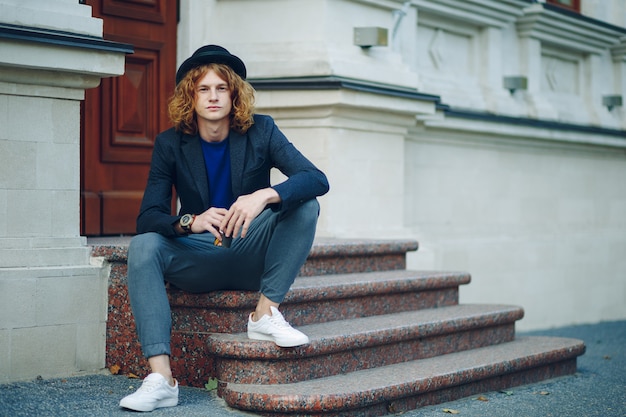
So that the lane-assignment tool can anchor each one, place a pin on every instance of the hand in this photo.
(209, 221)
(245, 209)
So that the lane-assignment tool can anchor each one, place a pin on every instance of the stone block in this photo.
(3, 212)
(19, 164)
(29, 204)
(4, 115)
(69, 111)
(71, 299)
(90, 346)
(55, 167)
(5, 355)
(18, 303)
(48, 351)
(22, 111)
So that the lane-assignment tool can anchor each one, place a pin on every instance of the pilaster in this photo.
(53, 300)
(618, 53)
(357, 138)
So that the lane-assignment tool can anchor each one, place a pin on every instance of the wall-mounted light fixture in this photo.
(514, 83)
(612, 101)
(366, 37)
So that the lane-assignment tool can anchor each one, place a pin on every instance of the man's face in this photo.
(213, 100)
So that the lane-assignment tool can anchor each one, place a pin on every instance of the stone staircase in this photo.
(383, 339)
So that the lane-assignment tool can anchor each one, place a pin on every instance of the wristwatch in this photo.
(186, 221)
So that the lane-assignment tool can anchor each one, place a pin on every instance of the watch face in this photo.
(185, 220)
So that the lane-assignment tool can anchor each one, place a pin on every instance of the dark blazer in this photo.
(177, 161)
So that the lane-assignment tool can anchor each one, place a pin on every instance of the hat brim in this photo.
(211, 57)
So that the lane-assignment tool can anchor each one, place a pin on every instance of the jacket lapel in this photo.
(237, 157)
(192, 151)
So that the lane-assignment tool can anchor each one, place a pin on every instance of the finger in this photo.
(213, 230)
(234, 225)
(225, 224)
(244, 230)
(242, 226)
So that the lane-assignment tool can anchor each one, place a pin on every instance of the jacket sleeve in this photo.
(156, 205)
(304, 180)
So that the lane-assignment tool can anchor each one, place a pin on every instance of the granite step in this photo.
(320, 299)
(346, 256)
(350, 345)
(196, 314)
(409, 385)
(311, 300)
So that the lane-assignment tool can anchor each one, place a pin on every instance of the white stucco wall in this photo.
(533, 213)
(537, 224)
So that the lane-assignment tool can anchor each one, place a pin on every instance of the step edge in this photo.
(115, 249)
(238, 346)
(305, 290)
(328, 247)
(305, 402)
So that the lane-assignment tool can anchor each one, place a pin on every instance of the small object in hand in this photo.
(224, 241)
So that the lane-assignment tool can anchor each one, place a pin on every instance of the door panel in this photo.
(129, 109)
(142, 10)
(122, 117)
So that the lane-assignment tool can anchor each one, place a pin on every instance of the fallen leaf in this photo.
(482, 398)
(450, 411)
(543, 393)
(132, 376)
(506, 392)
(211, 385)
(115, 369)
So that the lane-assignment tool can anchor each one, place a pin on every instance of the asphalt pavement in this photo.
(597, 389)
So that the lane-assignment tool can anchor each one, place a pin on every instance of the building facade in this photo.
(491, 131)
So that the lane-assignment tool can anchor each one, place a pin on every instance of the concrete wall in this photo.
(534, 211)
(537, 223)
(53, 301)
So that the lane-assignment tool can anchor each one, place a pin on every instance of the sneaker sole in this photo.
(280, 343)
(172, 402)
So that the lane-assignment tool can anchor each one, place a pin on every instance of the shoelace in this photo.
(148, 385)
(279, 321)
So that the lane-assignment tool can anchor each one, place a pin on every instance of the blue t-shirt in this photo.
(217, 161)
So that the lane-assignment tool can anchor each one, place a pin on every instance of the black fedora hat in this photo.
(211, 54)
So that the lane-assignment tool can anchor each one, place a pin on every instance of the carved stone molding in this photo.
(619, 51)
(566, 31)
(493, 13)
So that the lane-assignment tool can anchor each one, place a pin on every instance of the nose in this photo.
(212, 94)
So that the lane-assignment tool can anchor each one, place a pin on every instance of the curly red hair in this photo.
(181, 105)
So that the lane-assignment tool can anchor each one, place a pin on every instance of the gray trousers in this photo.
(268, 260)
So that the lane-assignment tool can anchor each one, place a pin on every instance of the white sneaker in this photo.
(275, 329)
(154, 392)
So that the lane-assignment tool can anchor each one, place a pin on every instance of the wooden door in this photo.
(122, 117)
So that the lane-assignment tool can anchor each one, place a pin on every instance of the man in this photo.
(234, 230)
